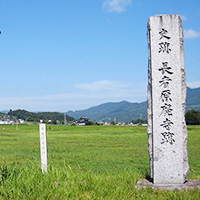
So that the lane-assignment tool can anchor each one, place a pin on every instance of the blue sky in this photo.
(61, 55)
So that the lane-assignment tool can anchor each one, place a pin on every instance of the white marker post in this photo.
(43, 148)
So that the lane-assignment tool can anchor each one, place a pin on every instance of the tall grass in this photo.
(84, 163)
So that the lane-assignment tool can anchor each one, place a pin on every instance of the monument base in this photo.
(188, 185)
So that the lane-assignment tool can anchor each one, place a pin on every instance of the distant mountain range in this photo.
(121, 111)
(193, 99)
(126, 112)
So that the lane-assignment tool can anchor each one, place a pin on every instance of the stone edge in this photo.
(188, 185)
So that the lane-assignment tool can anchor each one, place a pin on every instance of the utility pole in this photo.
(65, 119)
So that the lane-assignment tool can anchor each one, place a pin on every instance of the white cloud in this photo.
(191, 34)
(112, 91)
(116, 5)
(80, 96)
(194, 84)
(101, 85)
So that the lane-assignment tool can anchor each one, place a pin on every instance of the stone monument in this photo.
(43, 147)
(167, 129)
(166, 101)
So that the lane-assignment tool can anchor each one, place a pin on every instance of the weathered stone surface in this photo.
(188, 185)
(167, 130)
(43, 147)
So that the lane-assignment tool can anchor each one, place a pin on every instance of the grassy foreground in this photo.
(84, 163)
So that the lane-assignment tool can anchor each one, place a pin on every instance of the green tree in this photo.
(139, 121)
(36, 117)
(192, 117)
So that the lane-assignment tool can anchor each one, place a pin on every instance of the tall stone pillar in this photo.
(167, 129)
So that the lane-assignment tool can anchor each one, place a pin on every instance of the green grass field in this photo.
(91, 162)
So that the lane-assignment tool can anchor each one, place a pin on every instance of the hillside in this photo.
(193, 99)
(125, 111)
(36, 117)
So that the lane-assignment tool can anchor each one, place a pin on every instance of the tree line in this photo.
(46, 117)
(192, 117)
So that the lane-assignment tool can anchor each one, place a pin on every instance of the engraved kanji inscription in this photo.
(165, 96)
(164, 33)
(165, 68)
(165, 81)
(167, 124)
(167, 137)
(164, 47)
(166, 110)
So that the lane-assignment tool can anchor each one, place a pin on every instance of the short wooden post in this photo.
(43, 147)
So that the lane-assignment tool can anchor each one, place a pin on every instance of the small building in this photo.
(5, 122)
(144, 124)
(107, 123)
(83, 121)
(21, 121)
